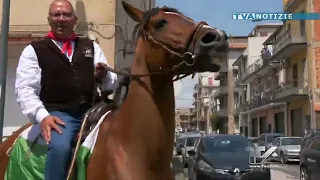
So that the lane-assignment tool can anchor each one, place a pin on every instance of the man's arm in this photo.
(28, 86)
(110, 81)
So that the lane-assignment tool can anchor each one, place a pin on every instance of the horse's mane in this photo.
(170, 9)
(120, 93)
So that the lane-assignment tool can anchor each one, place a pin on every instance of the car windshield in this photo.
(191, 141)
(270, 138)
(291, 141)
(226, 144)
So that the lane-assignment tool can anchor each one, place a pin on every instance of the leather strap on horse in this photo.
(70, 172)
(84, 123)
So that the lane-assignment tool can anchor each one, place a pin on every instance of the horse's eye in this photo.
(159, 24)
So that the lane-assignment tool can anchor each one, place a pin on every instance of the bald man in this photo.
(55, 84)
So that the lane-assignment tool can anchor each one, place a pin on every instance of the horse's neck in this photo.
(157, 91)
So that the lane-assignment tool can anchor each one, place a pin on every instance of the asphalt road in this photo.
(279, 171)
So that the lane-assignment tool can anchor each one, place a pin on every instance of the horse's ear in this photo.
(134, 13)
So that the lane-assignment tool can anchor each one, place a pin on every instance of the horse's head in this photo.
(177, 42)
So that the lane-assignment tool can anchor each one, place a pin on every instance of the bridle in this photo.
(188, 58)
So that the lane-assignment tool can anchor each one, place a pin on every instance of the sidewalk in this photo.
(279, 175)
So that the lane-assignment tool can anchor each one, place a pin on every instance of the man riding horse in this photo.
(56, 84)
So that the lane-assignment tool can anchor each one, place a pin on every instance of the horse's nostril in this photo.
(210, 37)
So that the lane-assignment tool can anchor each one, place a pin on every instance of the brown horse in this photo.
(136, 141)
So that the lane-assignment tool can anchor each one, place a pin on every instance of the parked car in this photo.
(310, 159)
(288, 149)
(266, 139)
(179, 144)
(190, 142)
(224, 156)
(254, 140)
(181, 141)
(308, 135)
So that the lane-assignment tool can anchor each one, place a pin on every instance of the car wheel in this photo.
(304, 174)
(283, 158)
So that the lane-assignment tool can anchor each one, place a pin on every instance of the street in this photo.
(280, 172)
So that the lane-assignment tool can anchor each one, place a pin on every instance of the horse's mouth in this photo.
(210, 63)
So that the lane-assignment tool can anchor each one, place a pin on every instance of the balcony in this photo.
(220, 111)
(240, 108)
(238, 79)
(286, 44)
(220, 75)
(290, 91)
(223, 68)
(261, 67)
(195, 95)
(222, 90)
(261, 99)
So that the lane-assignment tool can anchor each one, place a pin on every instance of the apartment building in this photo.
(203, 88)
(283, 88)
(253, 81)
(183, 117)
(224, 109)
(104, 21)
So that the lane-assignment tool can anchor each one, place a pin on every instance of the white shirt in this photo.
(28, 81)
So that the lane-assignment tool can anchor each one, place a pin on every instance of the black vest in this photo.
(66, 85)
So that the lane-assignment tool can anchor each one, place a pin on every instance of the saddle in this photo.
(94, 114)
(98, 110)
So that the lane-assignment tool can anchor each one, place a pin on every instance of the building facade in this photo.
(183, 117)
(104, 20)
(281, 88)
(225, 118)
(254, 81)
(203, 89)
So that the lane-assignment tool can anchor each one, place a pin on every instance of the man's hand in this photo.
(48, 123)
(100, 71)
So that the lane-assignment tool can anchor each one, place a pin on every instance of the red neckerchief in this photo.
(66, 47)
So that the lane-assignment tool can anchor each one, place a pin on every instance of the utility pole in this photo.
(4, 60)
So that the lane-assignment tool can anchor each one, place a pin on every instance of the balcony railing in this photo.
(290, 88)
(220, 111)
(239, 108)
(223, 68)
(285, 39)
(261, 66)
(221, 90)
(262, 99)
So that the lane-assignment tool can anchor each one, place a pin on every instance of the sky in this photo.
(218, 14)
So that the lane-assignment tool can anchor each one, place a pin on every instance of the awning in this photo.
(261, 108)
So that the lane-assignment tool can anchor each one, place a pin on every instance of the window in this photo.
(302, 27)
(276, 142)
(263, 34)
(269, 84)
(210, 81)
(295, 75)
(315, 145)
(191, 141)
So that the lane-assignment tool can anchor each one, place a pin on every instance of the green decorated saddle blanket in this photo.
(27, 156)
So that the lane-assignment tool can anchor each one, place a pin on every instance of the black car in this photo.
(224, 157)
(310, 159)
(309, 134)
